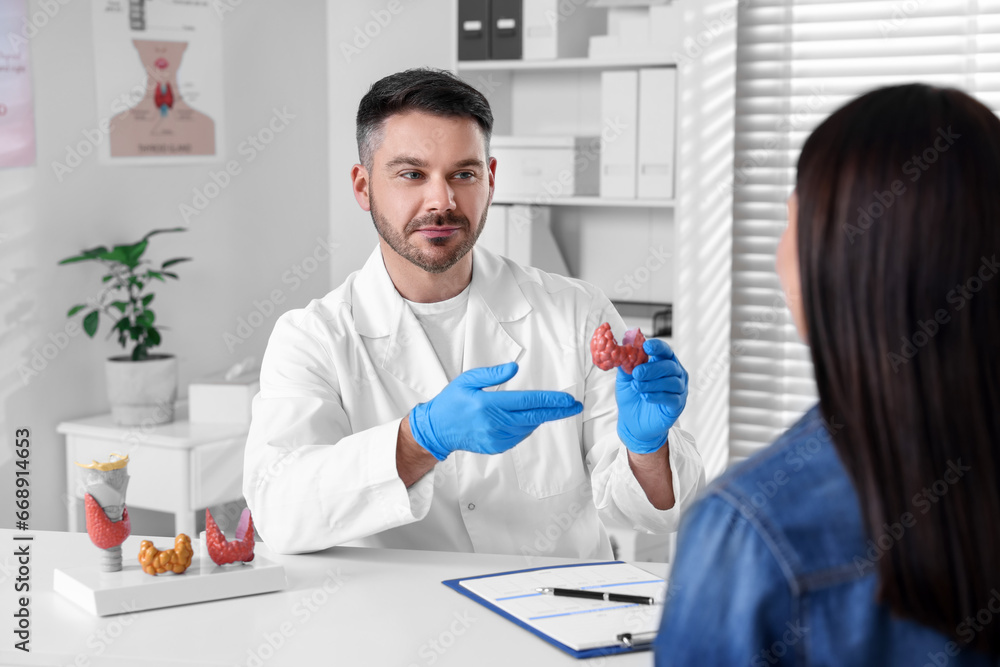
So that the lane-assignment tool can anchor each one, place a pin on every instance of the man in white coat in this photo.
(444, 397)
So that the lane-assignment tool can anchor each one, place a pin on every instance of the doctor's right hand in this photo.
(463, 416)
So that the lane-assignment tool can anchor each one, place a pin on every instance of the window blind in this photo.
(796, 62)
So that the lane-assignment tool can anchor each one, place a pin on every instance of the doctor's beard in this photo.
(400, 242)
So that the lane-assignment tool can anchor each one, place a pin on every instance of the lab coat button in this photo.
(472, 506)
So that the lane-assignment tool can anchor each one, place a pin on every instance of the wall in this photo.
(367, 41)
(246, 244)
(704, 220)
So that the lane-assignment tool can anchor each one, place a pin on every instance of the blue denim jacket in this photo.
(774, 567)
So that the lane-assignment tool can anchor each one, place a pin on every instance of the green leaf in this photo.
(132, 280)
(71, 260)
(155, 274)
(146, 299)
(90, 322)
(122, 325)
(135, 332)
(164, 231)
(93, 253)
(172, 275)
(152, 337)
(108, 277)
(145, 318)
(120, 305)
(75, 309)
(134, 252)
(118, 255)
(176, 260)
(139, 353)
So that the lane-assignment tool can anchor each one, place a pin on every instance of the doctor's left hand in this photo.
(650, 399)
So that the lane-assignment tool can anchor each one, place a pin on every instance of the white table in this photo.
(345, 606)
(178, 467)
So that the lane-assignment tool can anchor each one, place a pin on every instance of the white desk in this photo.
(178, 467)
(345, 606)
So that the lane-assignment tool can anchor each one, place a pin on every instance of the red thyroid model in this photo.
(240, 549)
(104, 532)
(608, 354)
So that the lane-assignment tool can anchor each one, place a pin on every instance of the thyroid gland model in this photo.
(107, 517)
(238, 550)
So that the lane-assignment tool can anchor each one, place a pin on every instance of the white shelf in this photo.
(565, 63)
(587, 201)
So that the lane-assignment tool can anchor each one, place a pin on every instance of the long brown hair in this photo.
(898, 240)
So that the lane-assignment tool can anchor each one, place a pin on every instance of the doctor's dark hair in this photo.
(423, 89)
(898, 240)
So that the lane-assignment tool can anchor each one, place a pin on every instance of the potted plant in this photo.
(142, 387)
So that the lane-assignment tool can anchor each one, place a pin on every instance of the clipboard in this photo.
(619, 639)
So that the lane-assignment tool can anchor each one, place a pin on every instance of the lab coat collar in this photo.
(380, 311)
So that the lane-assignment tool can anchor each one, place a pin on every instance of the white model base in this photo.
(108, 593)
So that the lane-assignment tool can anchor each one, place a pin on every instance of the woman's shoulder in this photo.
(798, 497)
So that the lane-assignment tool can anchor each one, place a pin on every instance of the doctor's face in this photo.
(429, 188)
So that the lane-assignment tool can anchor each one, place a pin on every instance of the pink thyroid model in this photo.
(240, 549)
(608, 354)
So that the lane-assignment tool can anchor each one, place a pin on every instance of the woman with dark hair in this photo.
(869, 533)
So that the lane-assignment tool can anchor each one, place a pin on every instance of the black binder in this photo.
(473, 29)
(506, 30)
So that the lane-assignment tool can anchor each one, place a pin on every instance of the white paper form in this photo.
(578, 623)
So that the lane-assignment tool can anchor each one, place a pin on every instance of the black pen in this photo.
(596, 595)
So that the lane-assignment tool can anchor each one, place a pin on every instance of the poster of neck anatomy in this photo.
(159, 81)
(17, 115)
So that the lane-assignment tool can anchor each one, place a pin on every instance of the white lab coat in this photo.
(339, 374)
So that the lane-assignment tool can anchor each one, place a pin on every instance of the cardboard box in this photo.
(214, 399)
(555, 29)
(542, 168)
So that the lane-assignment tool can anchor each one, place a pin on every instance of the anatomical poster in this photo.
(159, 81)
(17, 114)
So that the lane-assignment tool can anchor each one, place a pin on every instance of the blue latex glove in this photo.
(463, 416)
(650, 399)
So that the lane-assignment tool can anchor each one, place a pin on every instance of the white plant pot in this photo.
(142, 392)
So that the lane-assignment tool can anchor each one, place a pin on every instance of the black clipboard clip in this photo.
(636, 640)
